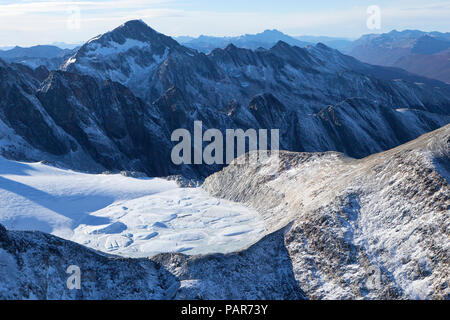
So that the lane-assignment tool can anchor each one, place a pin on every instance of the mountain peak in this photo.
(135, 26)
(273, 31)
(231, 47)
(136, 22)
(281, 44)
(322, 46)
(135, 29)
(131, 34)
(131, 30)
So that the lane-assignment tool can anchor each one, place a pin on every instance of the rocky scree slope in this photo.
(350, 219)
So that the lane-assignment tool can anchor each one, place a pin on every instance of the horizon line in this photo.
(56, 42)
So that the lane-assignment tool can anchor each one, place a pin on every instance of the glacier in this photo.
(113, 213)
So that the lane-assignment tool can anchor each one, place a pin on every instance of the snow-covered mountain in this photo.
(150, 63)
(337, 228)
(121, 95)
(33, 266)
(131, 54)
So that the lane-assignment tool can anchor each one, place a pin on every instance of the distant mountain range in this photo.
(423, 53)
(61, 45)
(335, 43)
(42, 55)
(266, 40)
(419, 52)
(436, 66)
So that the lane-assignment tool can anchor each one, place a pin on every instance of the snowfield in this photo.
(122, 215)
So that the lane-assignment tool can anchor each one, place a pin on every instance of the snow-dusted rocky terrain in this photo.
(33, 265)
(371, 228)
(336, 228)
(132, 217)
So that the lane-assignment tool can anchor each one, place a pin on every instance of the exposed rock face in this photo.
(19, 109)
(27, 132)
(33, 266)
(263, 271)
(385, 215)
(117, 129)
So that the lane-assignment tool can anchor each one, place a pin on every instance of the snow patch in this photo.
(97, 49)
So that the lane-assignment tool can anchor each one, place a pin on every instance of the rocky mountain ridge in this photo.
(382, 218)
(123, 93)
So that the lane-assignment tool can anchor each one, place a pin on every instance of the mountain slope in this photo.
(435, 66)
(117, 129)
(369, 228)
(33, 266)
(75, 121)
(27, 131)
(151, 63)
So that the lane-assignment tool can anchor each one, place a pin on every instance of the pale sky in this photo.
(25, 22)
